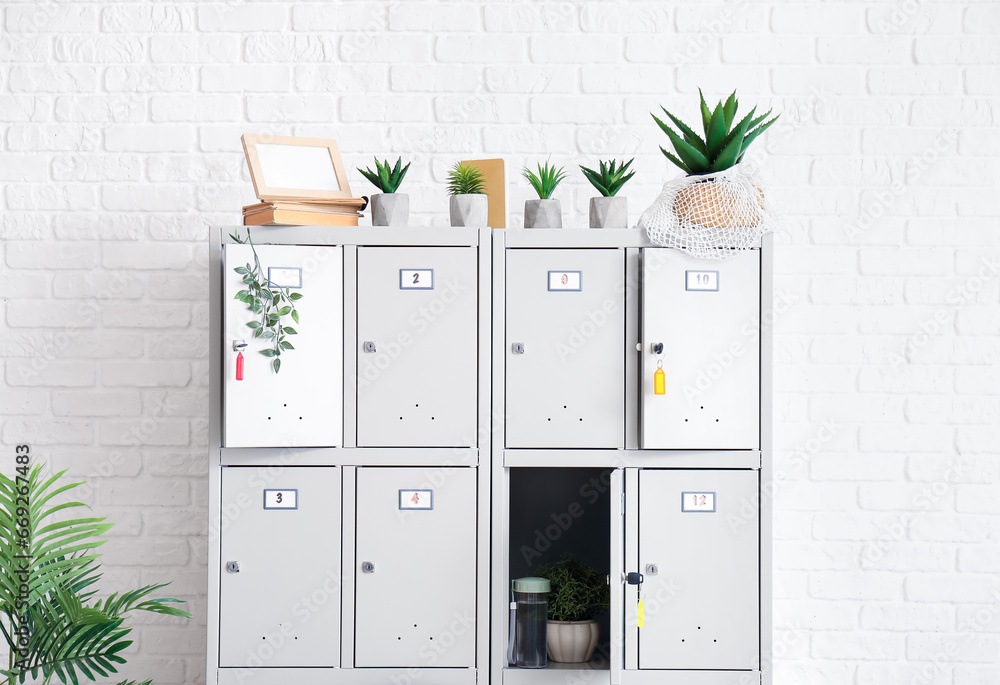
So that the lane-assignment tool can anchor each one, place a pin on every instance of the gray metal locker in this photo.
(565, 348)
(417, 346)
(416, 567)
(706, 316)
(700, 529)
(280, 577)
(302, 404)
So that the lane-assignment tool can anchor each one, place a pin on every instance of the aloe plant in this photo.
(52, 623)
(269, 303)
(609, 179)
(385, 177)
(466, 179)
(723, 145)
(546, 180)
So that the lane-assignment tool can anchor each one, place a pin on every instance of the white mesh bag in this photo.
(712, 216)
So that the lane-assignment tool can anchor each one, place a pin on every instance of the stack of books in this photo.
(341, 212)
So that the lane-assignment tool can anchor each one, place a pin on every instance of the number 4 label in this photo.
(416, 279)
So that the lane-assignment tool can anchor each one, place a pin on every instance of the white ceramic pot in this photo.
(390, 209)
(542, 214)
(608, 212)
(572, 642)
(469, 210)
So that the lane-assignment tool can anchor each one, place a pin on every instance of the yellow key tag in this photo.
(659, 381)
(641, 613)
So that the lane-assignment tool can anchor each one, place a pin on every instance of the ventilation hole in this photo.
(564, 406)
(416, 405)
(716, 420)
(264, 638)
(682, 640)
(400, 418)
(432, 418)
(268, 418)
(714, 640)
(300, 418)
(284, 405)
(432, 638)
(685, 420)
(414, 625)
(581, 419)
(699, 627)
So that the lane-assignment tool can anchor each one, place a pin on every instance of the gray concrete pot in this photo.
(608, 212)
(542, 214)
(469, 210)
(390, 209)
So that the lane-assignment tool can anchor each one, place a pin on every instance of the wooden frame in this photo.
(335, 174)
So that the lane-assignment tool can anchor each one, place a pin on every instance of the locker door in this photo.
(302, 404)
(707, 317)
(416, 567)
(701, 529)
(565, 348)
(417, 346)
(282, 606)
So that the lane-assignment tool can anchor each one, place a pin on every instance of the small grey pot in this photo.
(390, 209)
(469, 210)
(542, 214)
(609, 212)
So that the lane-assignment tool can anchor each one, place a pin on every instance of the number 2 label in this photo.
(416, 279)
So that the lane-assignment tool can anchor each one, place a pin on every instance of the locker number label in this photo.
(281, 499)
(416, 279)
(701, 280)
(416, 499)
(571, 281)
(698, 501)
(285, 276)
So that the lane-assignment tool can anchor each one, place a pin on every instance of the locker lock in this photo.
(656, 348)
(369, 346)
(652, 569)
(367, 567)
(238, 345)
(233, 566)
(517, 348)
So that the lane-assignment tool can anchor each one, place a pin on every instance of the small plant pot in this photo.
(469, 210)
(390, 209)
(572, 642)
(609, 212)
(542, 214)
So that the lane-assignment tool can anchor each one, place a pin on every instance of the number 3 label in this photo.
(416, 279)
(281, 499)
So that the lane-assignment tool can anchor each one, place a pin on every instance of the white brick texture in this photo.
(119, 145)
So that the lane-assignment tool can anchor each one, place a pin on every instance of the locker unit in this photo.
(417, 346)
(416, 593)
(273, 551)
(301, 404)
(565, 341)
(701, 324)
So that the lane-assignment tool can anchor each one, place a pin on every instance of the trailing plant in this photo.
(385, 177)
(52, 623)
(723, 145)
(609, 180)
(466, 179)
(546, 180)
(578, 591)
(269, 303)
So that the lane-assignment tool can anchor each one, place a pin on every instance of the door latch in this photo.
(233, 566)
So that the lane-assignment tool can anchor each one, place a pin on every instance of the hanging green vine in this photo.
(269, 303)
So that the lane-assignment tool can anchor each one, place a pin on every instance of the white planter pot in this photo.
(572, 642)
(608, 212)
(542, 214)
(390, 209)
(469, 210)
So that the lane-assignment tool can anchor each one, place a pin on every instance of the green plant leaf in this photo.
(693, 159)
(268, 352)
(286, 345)
(729, 110)
(294, 297)
(277, 365)
(284, 311)
(289, 330)
(716, 132)
(295, 315)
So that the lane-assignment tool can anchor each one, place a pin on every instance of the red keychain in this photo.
(239, 366)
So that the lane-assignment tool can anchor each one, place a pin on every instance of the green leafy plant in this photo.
(270, 305)
(385, 177)
(723, 145)
(466, 179)
(52, 623)
(609, 180)
(546, 180)
(578, 591)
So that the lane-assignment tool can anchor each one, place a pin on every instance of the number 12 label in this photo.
(698, 501)
(416, 279)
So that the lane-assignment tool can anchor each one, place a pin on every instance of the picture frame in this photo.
(295, 168)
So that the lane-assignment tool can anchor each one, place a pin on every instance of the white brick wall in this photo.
(119, 145)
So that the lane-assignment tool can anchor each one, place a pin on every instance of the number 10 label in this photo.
(701, 280)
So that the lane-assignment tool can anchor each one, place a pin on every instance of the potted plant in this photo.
(54, 626)
(469, 205)
(389, 208)
(708, 201)
(544, 212)
(609, 210)
(578, 592)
